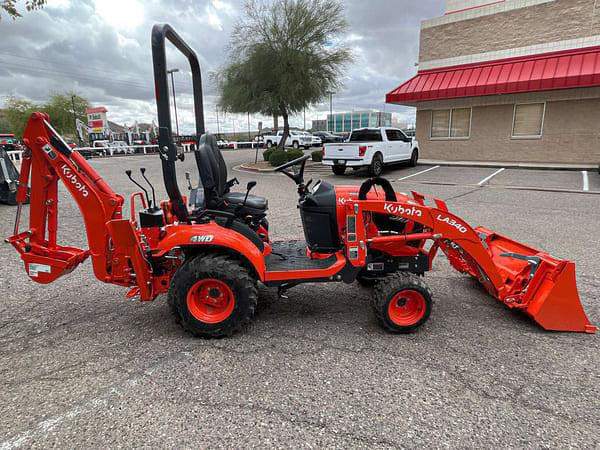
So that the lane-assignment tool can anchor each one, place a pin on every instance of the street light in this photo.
(171, 72)
(331, 111)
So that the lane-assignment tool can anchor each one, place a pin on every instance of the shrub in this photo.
(294, 154)
(267, 153)
(317, 155)
(278, 157)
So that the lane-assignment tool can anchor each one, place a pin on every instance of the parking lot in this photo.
(80, 363)
(495, 177)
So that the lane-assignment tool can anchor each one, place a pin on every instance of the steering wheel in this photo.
(298, 177)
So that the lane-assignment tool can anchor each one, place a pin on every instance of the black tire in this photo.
(414, 158)
(269, 144)
(376, 166)
(338, 170)
(295, 145)
(416, 294)
(226, 270)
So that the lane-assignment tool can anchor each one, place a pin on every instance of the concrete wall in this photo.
(571, 135)
(547, 22)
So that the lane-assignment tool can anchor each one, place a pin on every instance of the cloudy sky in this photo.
(101, 50)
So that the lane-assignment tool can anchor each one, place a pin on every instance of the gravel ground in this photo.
(82, 366)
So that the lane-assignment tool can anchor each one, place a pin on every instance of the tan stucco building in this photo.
(513, 80)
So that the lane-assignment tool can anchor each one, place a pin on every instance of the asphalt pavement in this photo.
(83, 367)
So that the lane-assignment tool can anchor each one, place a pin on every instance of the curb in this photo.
(249, 167)
(510, 165)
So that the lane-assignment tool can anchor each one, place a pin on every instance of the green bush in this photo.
(294, 154)
(267, 153)
(317, 156)
(278, 157)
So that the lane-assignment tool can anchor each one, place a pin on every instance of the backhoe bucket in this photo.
(543, 286)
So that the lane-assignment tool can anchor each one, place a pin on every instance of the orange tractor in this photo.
(209, 252)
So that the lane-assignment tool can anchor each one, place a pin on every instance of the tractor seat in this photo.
(213, 178)
(253, 203)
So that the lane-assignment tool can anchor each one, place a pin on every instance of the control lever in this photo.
(187, 177)
(128, 173)
(249, 187)
(143, 171)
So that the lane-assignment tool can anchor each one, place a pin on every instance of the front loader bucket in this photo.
(556, 304)
(543, 286)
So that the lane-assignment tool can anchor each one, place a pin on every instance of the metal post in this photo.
(331, 112)
(218, 129)
(75, 122)
(171, 72)
(249, 138)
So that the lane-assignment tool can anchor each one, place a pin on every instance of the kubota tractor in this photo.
(209, 252)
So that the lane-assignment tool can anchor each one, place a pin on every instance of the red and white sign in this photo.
(96, 118)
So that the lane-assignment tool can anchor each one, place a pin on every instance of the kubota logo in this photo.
(74, 180)
(401, 210)
(453, 223)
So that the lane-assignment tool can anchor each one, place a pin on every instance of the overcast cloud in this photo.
(101, 50)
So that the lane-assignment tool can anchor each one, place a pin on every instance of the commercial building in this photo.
(513, 80)
(319, 125)
(345, 122)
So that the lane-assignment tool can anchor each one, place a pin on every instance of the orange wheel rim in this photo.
(406, 308)
(210, 301)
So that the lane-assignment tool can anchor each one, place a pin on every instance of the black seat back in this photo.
(208, 168)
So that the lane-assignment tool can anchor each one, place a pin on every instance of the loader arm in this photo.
(116, 257)
(524, 278)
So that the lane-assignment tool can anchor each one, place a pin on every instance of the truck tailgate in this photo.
(341, 151)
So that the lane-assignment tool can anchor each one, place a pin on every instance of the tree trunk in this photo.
(286, 128)
(276, 122)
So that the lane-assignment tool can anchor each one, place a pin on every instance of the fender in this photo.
(212, 235)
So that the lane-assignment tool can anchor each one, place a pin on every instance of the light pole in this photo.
(331, 111)
(218, 128)
(171, 72)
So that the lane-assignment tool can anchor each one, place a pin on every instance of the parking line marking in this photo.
(586, 181)
(418, 173)
(486, 179)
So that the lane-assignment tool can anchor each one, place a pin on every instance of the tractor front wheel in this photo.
(402, 302)
(213, 296)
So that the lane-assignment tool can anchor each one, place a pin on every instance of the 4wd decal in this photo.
(401, 210)
(202, 238)
(68, 173)
(453, 223)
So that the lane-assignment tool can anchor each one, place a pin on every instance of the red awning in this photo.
(548, 71)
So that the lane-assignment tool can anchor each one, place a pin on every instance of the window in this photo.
(392, 135)
(528, 120)
(451, 123)
(366, 136)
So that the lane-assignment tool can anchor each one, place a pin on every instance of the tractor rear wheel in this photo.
(402, 302)
(213, 296)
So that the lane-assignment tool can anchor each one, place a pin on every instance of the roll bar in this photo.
(166, 146)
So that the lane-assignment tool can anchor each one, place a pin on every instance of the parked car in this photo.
(372, 148)
(101, 147)
(121, 147)
(86, 153)
(296, 139)
(327, 137)
(315, 140)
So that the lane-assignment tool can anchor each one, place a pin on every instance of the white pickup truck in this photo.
(372, 148)
(296, 139)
